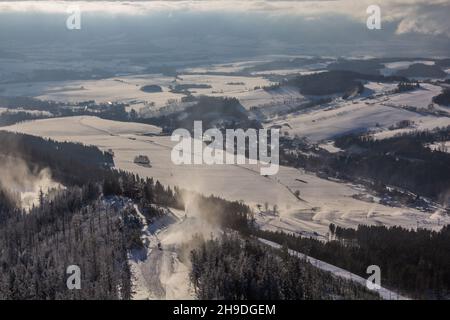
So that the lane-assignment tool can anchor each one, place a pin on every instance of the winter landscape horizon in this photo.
(225, 150)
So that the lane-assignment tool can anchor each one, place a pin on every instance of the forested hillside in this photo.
(402, 161)
(68, 230)
(90, 223)
(212, 111)
(87, 224)
(232, 269)
(415, 262)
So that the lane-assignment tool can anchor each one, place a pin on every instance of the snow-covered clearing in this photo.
(330, 147)
(419, 98)
(338, 272)
(420, 124)
(277, 99)
(378, 87)
(322, 201)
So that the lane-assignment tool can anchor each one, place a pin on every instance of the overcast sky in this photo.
(413, 25)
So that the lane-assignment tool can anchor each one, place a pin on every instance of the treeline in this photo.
(365, 66)
(227, 214)
(407, 86)
(8, 118)
(443, 98)
(232, 269)
(336, 81)
(115, 111)
(38, 75)
(422, 70)
(415, 262)
(28, 103)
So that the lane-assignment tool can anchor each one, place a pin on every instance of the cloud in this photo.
(410, 16)
(426, 18)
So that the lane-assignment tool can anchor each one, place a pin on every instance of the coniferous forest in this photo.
(417, 263)
(81, 224)
(232, 269)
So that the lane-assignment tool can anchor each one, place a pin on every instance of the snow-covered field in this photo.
(274, 99)
(421, 124)
(419, 98)
(392, 67)
(290, 71)
(361, 115)
(321, 201)
(118, 89)
(82, 126)
(225, 67)
(342, 118)
(127, 89)
(227, 85)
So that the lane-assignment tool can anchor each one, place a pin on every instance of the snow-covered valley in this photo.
(294, 201)
(321, 201)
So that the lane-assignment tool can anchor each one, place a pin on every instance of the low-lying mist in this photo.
(17, 177)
